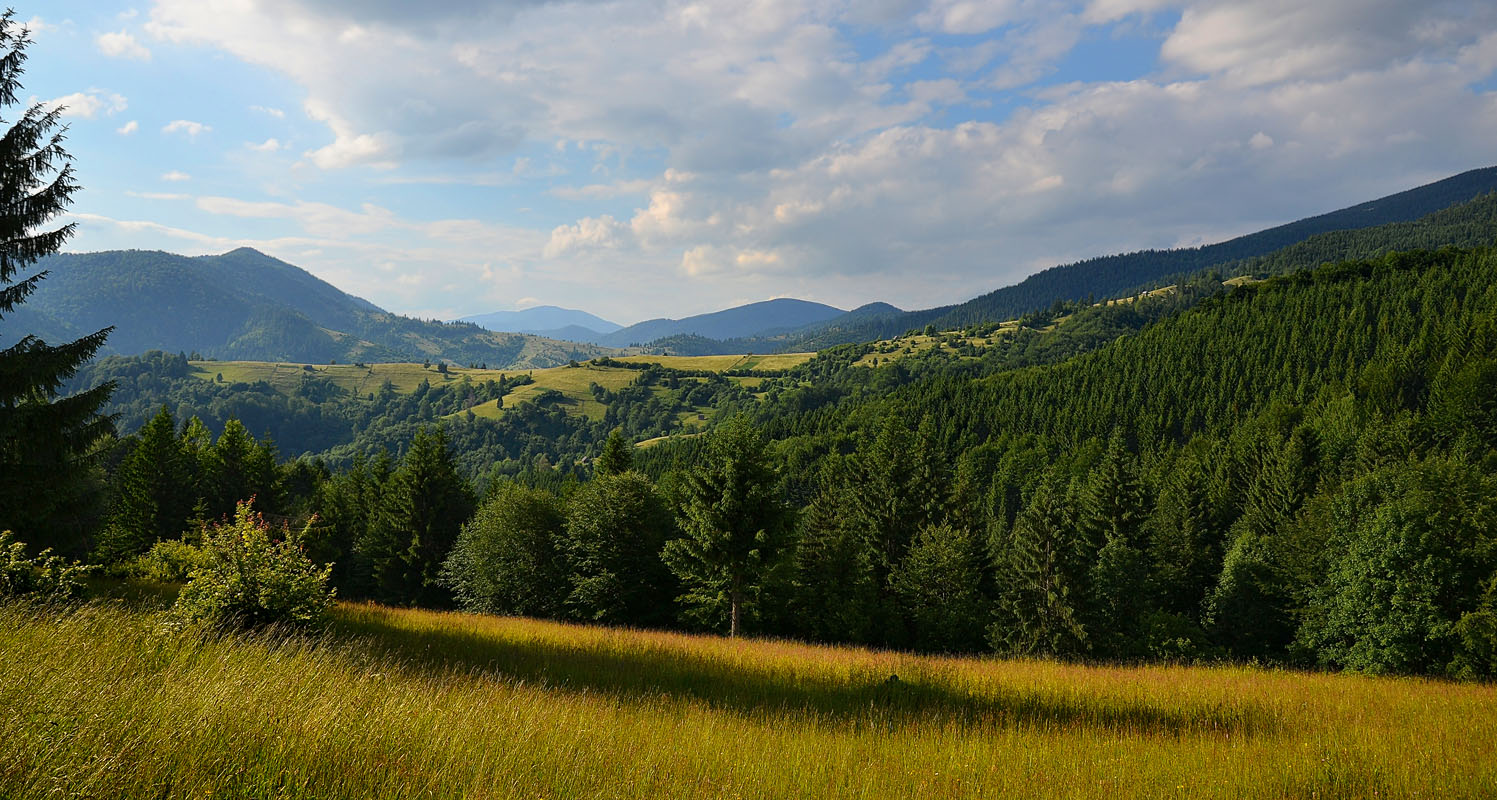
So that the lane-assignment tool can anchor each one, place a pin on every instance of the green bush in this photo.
(168, 561)
(252, 578)
(46, 577)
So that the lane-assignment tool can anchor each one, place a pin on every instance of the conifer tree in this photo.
(1037, 612)
(239, 468)
(152, 492)
(45, 441)
(424, 505)
(617, 456)
(832, 578)
(734, 521)
(939, 585)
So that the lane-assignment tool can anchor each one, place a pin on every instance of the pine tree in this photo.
(424, 506)
(939, 585)
(152, 492)
(617, 456)
(239, 468)
(734, 521)
(832, 584)
(1037, 612)
(45, 441)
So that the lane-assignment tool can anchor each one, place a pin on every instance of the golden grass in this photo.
(110, 703)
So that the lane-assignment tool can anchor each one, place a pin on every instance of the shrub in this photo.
(168, 561)
(251, 578)
(46, 577)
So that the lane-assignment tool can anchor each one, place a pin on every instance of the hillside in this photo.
(246, 305)
(1109, 276)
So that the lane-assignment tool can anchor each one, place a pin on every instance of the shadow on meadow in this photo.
(878, 700)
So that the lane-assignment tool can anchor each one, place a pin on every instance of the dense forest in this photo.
(1299, 470)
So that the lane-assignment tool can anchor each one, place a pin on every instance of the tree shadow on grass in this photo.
(884, 700)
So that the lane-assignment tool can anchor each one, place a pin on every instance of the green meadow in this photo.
(113, 701)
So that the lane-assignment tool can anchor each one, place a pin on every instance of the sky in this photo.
(639, 158)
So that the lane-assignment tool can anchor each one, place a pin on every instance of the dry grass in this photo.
(108, 702)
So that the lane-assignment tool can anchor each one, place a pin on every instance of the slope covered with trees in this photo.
(246, 305)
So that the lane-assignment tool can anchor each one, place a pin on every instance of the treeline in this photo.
(1299, 471)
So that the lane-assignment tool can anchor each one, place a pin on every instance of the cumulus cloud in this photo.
(599, 233)
(270, 145)
(128, 128)
(186, 127)
(274, 112)
(88, 104)
(122, 44)
(919, 151)
(176, 176)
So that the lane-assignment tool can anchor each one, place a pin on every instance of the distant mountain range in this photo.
(546, 321)
(763, 319)
(246, 305)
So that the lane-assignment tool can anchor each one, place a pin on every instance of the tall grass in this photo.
(109, 702)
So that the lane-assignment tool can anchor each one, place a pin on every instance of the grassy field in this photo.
(574, 382)
(109, 702)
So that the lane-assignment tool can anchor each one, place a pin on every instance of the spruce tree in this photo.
(424, 506)
(939, 585)
(1037, 612)
(832, 579)
(152, 492)
(45, 440)
(617, 456)
(734, 521)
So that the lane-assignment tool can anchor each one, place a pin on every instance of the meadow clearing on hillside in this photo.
(575, 383)
(106, 701)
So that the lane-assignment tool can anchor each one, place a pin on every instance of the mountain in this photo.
(755, 319)
(1118, 275)
(544, 321)
(246, 305)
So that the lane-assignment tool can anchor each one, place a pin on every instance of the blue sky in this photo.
(642, 159)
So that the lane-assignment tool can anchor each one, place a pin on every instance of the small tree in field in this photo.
(253, 576)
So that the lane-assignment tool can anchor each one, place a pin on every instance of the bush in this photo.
(46, 577)
(250, 578)
(168, 561)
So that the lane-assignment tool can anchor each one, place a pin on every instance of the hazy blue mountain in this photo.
(246, 305)
(753, 319)
(544, 321)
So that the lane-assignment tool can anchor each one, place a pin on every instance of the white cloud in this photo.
(603, 232)
(88, 104)
(186, 127)
(128, 128)
(121, 44)
(274, 112)
(158, 195)
(176, 176)
(822, 147)
(268, 146)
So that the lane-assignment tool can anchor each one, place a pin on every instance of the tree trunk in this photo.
(735, 597)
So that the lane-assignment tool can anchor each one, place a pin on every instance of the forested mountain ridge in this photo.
(244, 304)
(1111, 276)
